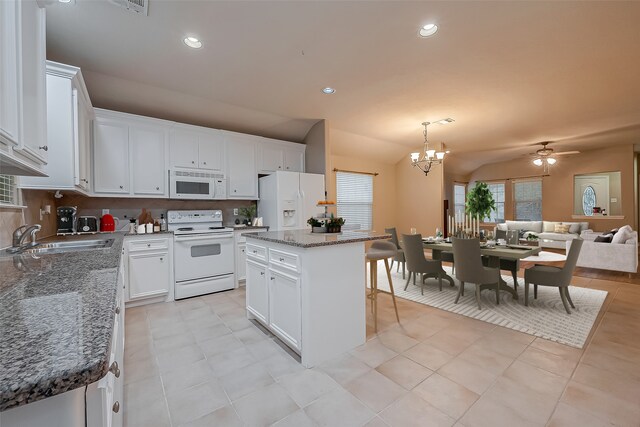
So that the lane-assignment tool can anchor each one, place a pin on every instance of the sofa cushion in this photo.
(574, 227)
(604, 238)
(561, 228)
(502, 227)
(549, 226)
(525, 225)
(621, 236)
(557, 236)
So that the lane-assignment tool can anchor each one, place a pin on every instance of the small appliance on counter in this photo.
(87, 224)
(107, 223)
(66, 220)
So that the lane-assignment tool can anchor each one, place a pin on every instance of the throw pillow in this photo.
(548, 226)
(626, 227)
(621, 236)
(604, 238)
(561, 228)
(613, 231)
(574, 227)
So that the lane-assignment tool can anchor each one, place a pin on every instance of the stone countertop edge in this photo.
(340, 238)
(34, 367)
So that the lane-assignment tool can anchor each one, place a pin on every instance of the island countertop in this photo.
(56, 320)
(306, 239)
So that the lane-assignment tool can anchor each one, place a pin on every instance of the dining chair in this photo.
(469, 268)
(380, 250)
(546, 275)
(399, 258)
(417, 263)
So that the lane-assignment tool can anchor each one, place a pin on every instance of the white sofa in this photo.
(547, 237)
(608, 256)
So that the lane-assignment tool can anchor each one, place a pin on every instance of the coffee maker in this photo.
(66, 220)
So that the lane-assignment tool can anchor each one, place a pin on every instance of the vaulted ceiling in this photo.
(510, 73)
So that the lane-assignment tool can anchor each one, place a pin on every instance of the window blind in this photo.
(527, 199)
(355, 200)
(459, 198)
(497, 191)
(8, 190)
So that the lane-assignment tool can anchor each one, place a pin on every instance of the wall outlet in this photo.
(235, 211)
(105, 211)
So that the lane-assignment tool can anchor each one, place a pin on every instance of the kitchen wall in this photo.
(10, 219)
(318, 150)
(557, 188)
(384, 187)
(125, 208)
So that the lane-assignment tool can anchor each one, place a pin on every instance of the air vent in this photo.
(137, 6)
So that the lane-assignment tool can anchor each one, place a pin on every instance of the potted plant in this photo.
(248, 213)
(334, 225)
(316, 226)
(480, 201)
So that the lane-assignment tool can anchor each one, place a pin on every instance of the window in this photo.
(8, 191)
(527, 200)
(355, 200)
(459, 198)
(497, 191)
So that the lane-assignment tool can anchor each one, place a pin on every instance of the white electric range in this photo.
(203, 252)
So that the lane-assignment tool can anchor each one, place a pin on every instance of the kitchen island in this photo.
(309, 289)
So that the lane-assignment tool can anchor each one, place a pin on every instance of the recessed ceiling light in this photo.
(428, 30)
(193, 42)
(328, 90)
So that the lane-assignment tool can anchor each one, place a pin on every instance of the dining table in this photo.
(494, 254)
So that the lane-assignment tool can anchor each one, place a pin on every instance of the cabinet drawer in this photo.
(256, 252)
(284, 259)
(148, 244)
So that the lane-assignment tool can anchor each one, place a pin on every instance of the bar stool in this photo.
(380, 250)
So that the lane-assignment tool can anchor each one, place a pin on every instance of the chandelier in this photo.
(428, 157)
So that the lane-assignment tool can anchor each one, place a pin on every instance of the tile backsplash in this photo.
(12, 218)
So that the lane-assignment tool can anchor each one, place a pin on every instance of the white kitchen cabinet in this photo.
(258, 292)
(284, 306)
(275, 155)
(148, 154)
(242, 176)
(111, 156)
(69, 115)
(149, 269)
(241, 252)
(10, 70)
(195, 147)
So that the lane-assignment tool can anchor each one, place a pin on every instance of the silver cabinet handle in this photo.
(273, 278)
(44, 147)
(157, 188)
(121, 187)
(262, 273)
(118, 310)
(115, 370)
(161, 259)
(255, 252)
(281, 259)
(204, 163)
(193, 162)
(148, 245)
(279, 167)
(116, 407)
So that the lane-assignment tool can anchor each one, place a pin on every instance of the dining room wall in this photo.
(558, 187)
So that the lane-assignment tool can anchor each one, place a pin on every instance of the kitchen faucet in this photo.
(21, 233)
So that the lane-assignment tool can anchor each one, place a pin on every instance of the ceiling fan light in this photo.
(537, 162)
(551, 161)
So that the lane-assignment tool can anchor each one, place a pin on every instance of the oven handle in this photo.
(202, 237)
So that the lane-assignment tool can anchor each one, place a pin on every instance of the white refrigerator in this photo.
(289, 199)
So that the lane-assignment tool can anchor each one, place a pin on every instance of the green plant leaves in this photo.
(480, 201)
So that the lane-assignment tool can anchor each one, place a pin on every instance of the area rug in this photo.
(545, 317)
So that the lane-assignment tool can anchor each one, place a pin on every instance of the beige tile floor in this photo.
(200, 362)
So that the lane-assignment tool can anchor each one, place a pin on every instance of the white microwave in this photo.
(190, 184)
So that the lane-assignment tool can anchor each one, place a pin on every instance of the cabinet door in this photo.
(271, 157)
(242, 172)
(183, 150)
(111, 157)
(9, 72)
(83, 148)
(294, 160)
(149, 170)
(148, 274)
(258, 291)
(211, 151)
(284, 307)
(241, 262)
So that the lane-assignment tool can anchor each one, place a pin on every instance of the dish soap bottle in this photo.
(163, 223)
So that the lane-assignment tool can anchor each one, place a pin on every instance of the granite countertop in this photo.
(56, 320)
(307, 239)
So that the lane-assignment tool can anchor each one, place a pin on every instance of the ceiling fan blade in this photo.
(565, 153)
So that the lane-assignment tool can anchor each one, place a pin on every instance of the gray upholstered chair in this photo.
(399, 258)
(546, 275)
(511, 265)
(417, 263)
(380, 250)
(469, 268)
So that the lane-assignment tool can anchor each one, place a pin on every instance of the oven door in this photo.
(191, 187)
(197, 256)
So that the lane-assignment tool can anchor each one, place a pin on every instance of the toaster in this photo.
(87, 224)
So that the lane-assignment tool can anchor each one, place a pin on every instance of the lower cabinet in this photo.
(241, 252)
(149, 270)
(258, 291)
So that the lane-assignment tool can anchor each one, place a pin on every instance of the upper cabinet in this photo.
(111, 156)
(148, 166)
(242, 176)
(23, 137)
(274, 155)
(194, 147)
(69, 117)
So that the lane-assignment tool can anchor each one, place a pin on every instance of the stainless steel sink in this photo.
(69, 246)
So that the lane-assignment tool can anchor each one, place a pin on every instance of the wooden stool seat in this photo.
(380, 250)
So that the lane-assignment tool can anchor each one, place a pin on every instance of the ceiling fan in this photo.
(546, 156)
